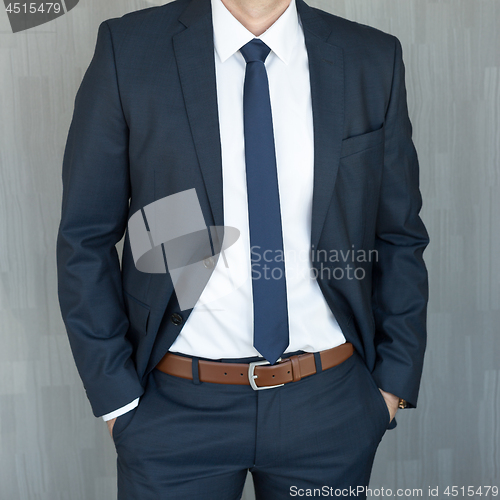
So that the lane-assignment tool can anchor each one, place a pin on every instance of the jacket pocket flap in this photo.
(359, 143)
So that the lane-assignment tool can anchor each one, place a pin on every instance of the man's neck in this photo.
(256, 15)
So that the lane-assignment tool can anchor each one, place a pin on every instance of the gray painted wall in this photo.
(52, 448)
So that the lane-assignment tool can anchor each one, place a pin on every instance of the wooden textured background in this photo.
(52, 448)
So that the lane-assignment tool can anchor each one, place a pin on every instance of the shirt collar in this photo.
(230, 35)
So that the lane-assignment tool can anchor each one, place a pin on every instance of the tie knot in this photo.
(255, 51)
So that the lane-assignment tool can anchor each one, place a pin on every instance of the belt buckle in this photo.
(252, 376)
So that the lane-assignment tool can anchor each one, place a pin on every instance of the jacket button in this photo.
(176, 319)
(208, 263)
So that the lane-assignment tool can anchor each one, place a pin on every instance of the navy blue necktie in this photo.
(266, 239)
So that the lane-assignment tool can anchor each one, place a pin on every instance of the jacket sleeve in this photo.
(400, 287)
(95, 205)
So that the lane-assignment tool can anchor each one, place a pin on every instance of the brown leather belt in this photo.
(259, 374)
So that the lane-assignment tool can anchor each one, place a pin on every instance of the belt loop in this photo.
(295, 368)
(195, 368)
(317, 361)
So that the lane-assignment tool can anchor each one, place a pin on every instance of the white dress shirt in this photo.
(220, 325)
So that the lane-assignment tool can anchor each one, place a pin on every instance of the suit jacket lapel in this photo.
(326, 68)
(194, 52)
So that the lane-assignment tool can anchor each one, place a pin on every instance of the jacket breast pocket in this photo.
(138, 314)
(363, 142)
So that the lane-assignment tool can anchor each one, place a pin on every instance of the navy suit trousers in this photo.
(189, 440)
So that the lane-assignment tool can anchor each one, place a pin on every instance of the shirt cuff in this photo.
(121, 411)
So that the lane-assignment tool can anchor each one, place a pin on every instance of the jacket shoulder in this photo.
(350, 34)
(149, 21)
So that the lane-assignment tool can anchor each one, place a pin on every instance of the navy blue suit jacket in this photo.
(145, 126)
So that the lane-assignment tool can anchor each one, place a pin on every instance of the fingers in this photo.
(111, 424)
